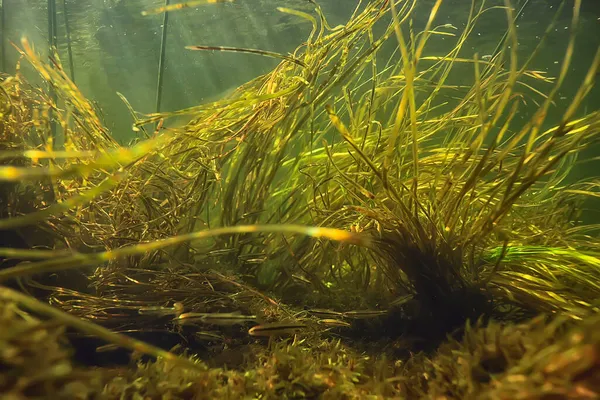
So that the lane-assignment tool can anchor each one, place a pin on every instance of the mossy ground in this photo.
(540, 359)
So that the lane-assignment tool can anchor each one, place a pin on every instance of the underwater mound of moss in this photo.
(543, 358)
(400, 229)
(35, 360)
(535, 360)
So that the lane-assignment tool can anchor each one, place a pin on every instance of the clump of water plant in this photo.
(454, 224)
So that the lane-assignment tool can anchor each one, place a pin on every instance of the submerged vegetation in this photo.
(354, 223)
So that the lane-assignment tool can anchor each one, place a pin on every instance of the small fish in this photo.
(255, 260)
(401, 300)
(107, 347)
(208, 336)
(224, 319)
(301, 279)
(252, 255)
(221, 252)
(276, 329)
(364, 314)
(335, 322)
(177, 309)
(180, 6)
(252, 214)
(320, 312)
(448, 26)
(250, 240)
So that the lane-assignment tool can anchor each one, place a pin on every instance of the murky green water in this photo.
(115, 48)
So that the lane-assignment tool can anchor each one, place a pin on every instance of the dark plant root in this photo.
(446, 317)
(444, 300)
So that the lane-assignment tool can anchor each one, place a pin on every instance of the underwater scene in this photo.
(299, 199)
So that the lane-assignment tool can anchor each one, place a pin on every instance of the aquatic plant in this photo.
(448, 216)
(416, 205)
